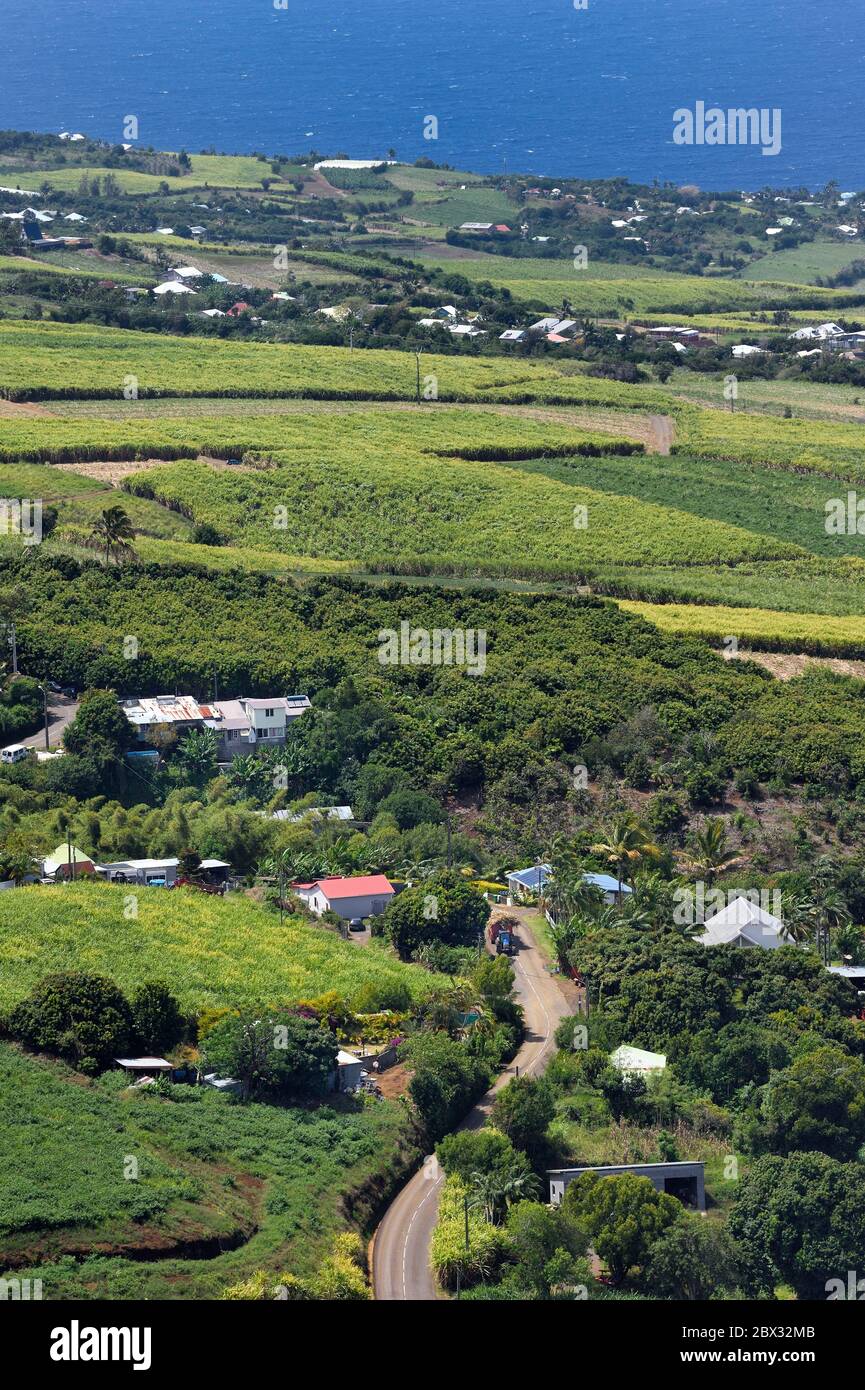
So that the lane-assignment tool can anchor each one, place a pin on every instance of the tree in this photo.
(623, 1215)
(284, 1055)
(443, 908)
(692, 1260)
(100, 728)
(818, 1102)
(800, 1220)
(446, 1079)
(710, 855)
(539, 1237)
(156, 1017)
(83, 1018)
(113, 534)
(626, 845)
(523, 1111)
(496, 1192)
(473, 1151)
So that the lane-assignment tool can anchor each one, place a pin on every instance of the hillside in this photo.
(214, 952)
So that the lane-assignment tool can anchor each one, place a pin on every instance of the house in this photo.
(178, 712)
(819, 331)
(634, 1061)
(662, 333)
(609, 886)
(446, 311)
(546, 325)
(687, 1181)
(479, 227)
(187, 272)
(746, 350)
(512, 335)
(212, 314)
(132, 292)
(245, 724)
(366, 896)
(160, 873)
(67, 862)
(348, 1073)
(526, 883)
(744, 923)
(173, 287)
(318, 813)
(240, 725)
(847, 342)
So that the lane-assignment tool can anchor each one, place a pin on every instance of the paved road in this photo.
(61, 712)
(401, 1267)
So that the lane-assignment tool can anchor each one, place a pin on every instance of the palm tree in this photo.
(113, 533)
(626, 844)
(495, 1192)
(710, 854)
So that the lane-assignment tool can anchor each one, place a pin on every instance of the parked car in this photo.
(356, 924)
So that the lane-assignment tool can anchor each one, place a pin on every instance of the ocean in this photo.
(535, 86)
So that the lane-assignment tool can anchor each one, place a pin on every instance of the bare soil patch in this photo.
(785, 665)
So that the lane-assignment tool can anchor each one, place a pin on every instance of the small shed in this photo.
(348, 1072)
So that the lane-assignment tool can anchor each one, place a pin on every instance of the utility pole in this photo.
(44, 690)
(70, 857)
(417, 359)
(13, 643)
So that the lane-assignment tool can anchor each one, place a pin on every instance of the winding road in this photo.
(401, 1252)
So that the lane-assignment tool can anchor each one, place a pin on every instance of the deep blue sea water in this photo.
(528, 85)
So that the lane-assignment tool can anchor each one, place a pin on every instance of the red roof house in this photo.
(365, 896)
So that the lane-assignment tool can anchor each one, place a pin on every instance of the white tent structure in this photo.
(744, 923)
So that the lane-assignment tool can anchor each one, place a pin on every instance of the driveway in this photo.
(401, 1252)
(61, 711)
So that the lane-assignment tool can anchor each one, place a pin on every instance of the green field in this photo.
(221, 1189)
(818, 633)
(616, 289)
(215, 952)
(804, 264)
(216, 171)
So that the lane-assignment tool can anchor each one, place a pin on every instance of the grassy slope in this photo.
(612, 287)
(753, 627)
(214, 952)
(279, 1181)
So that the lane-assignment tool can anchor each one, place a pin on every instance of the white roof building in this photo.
(173, 287)
(634, 1061)
(744, 923)
(188, 272)
(819, 330)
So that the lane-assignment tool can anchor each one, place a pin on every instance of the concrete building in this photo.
(683, 1180)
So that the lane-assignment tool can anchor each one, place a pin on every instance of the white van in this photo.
(14, 753)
